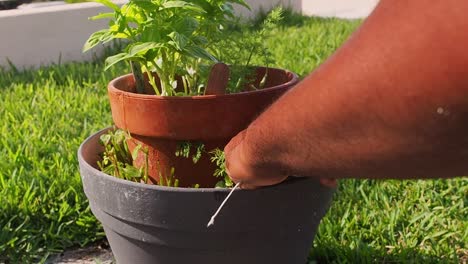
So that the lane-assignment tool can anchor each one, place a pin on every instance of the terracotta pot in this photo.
(161, 122)
(150, 224)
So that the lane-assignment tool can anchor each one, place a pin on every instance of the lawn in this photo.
(45, 114)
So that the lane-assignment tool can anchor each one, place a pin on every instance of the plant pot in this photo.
(154, 224)
(160, 123)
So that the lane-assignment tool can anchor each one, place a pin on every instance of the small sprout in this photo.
(135, 152)
(117, 160)
(168, 180)
(184, 150)
(217, 157)
(198, 153)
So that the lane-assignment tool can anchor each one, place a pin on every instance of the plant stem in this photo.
(146, 165)
(152, 80)
(115, 160)
(162, 77)
(138, 75)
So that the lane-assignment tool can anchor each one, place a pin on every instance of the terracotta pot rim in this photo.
(112, 88)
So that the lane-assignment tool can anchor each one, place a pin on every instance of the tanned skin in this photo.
(391, 103)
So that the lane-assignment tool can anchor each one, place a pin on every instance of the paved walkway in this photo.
(98, 253)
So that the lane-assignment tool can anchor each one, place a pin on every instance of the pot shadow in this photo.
(367, 254)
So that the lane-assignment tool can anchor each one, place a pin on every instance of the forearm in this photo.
(391, 103)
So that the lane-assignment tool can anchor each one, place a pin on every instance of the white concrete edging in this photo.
(43, 35)
(347, 9)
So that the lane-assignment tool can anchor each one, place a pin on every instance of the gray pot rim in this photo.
(157, 187)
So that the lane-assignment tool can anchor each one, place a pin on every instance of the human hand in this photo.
(245, 168)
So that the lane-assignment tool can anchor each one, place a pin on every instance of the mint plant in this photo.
(166, 37)
(117, 159)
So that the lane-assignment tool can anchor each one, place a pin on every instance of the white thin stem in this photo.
(211, 222)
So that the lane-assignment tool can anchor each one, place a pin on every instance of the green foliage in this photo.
(289, 18)
(217, 157)
(168, 180)
(46, 113)
(304, 46)
(117, 159)
(170, 38)
(240, 54)
(184, 149)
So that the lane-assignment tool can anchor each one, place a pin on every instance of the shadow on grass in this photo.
(334, 253)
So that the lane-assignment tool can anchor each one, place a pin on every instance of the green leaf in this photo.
(139, 49)
(220, 184)
(96, 38)
(199, 52)
(115, 59)
(108, 4)
(183, 5)
(119, 30)
(102, 16)
(105, 138)
(200, 40)
(228, 181)
(131, 172)
(135, 152)
(179, 41)
(134, 13)
(135, 53)
(149, 34)
(146, 5)
(186, 26)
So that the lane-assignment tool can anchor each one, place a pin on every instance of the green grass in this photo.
(45, 114)
(395, 221)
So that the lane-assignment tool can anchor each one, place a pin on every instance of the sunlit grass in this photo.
(45, 114)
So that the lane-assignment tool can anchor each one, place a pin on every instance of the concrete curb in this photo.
(46, 34)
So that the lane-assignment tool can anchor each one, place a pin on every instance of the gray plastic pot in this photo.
(154, 224)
